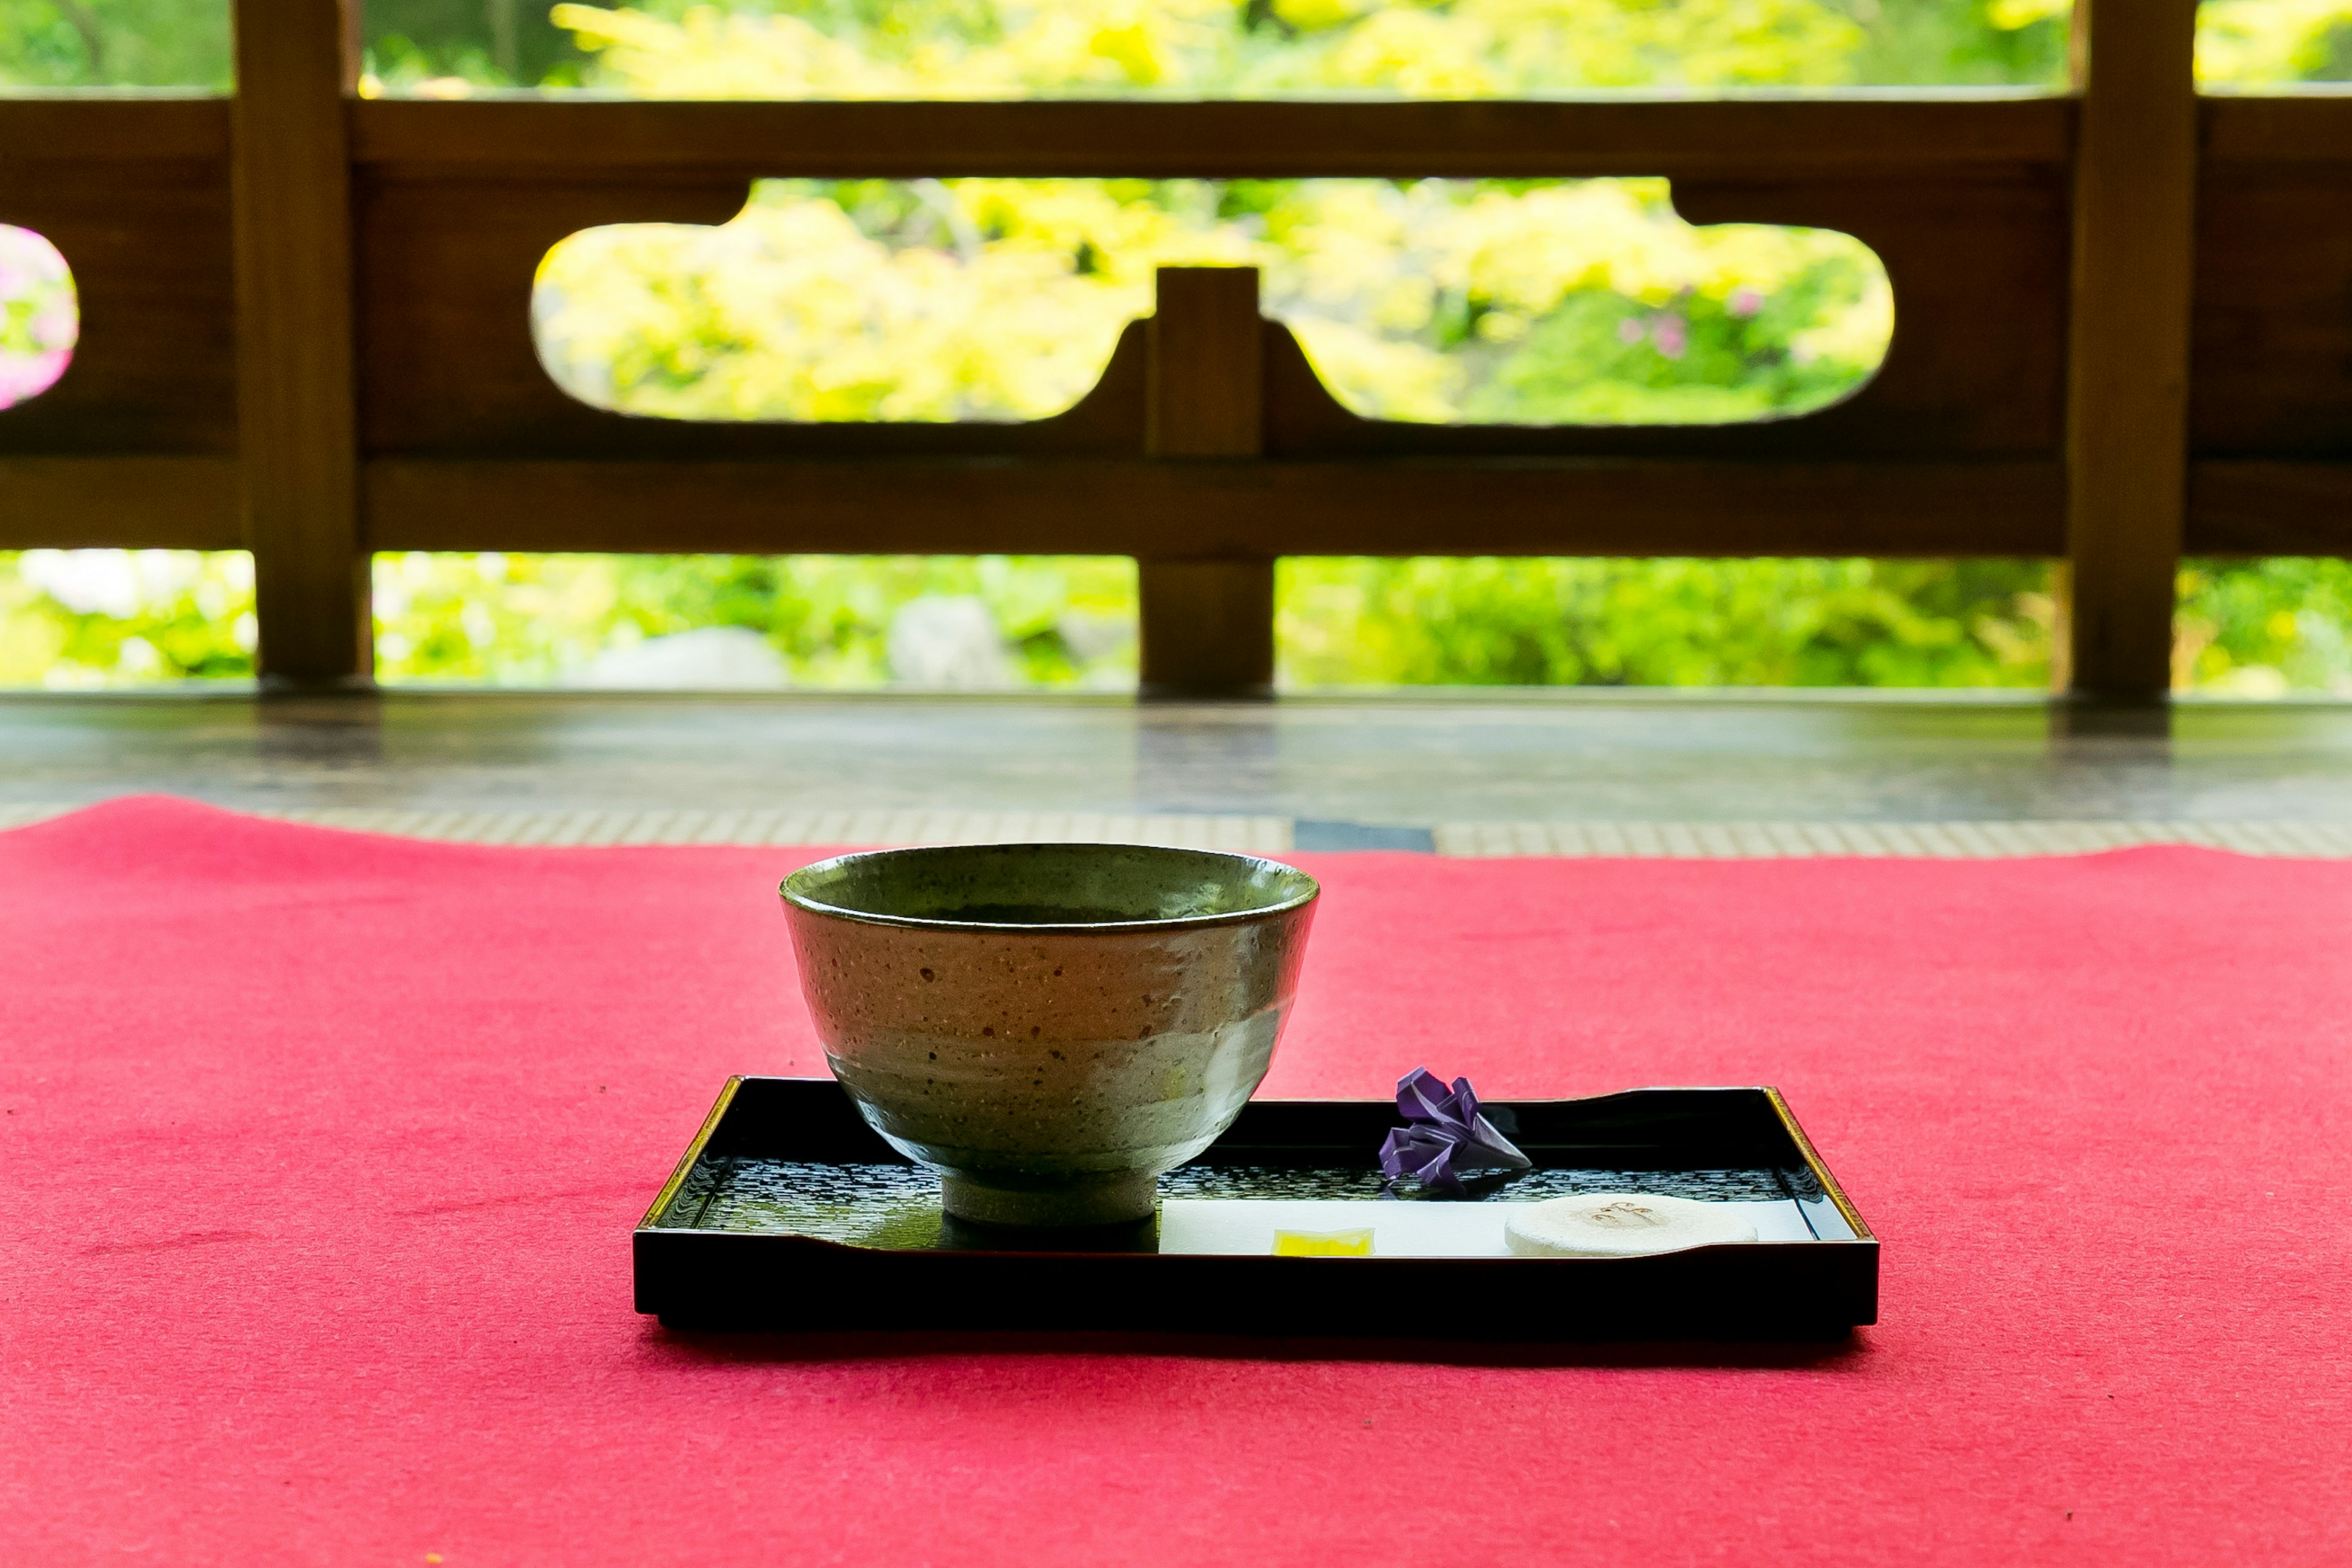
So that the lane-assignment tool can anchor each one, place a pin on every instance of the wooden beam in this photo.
(1207, 508)
(1208, 618)
(2255, 508)
(2127, 392)
(295, 380)
(87, 127)
(1772, 135)
(2313, 125)
(120, 503)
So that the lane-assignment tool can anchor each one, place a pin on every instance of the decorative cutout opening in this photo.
(1534, 303)
(40, 318)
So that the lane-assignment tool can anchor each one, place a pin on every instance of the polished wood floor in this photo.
(1367, 772)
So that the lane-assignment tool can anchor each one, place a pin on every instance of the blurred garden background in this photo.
(1565, 301)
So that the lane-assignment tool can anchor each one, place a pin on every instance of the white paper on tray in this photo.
(1247, 1226)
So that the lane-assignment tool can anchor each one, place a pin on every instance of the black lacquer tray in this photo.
(787, 1212)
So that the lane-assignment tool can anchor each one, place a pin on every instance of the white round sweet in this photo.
(1619, 1224)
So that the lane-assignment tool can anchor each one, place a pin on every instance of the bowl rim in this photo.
(1312, 890)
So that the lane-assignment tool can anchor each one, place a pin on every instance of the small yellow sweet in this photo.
(1323, 1242)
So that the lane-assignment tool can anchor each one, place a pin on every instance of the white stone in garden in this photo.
(708, 658)
(117, 583)
(1090, 635)
(949, 641)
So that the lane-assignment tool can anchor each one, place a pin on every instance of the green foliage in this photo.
(115, 43)
(2253, 43)
(1243, 48)
(81, 618)
(996, 47)
(1601, 358)
(1205, 45)
(429, 47)
(1665, 623)
(2006, 43)
(87, 618)
(2262, 628)
(540, 619)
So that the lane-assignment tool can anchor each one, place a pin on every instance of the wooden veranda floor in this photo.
(1555, 773)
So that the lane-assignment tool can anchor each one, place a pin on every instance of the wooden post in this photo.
(297, 410)
(2128, 381)
(1208, 625)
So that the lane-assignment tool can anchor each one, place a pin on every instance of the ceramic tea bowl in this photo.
(1049, 1026)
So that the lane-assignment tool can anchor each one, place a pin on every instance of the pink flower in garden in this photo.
(1746, 302)
(39, 318)
(1671, 335)
(56, 325)
(1631, 330)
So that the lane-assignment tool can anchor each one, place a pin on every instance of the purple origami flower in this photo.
(1443, 1135)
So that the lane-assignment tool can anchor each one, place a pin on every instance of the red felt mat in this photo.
(320, 1153)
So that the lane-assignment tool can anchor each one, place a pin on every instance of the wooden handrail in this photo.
(1756, 135)
(1229, 510)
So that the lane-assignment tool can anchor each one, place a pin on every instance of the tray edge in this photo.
(693, 1154)
(1862, 1231)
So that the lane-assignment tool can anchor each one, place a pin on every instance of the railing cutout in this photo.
(1575, 303)
(40, 318)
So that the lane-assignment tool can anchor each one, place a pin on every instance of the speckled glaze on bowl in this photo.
(1049, 1026)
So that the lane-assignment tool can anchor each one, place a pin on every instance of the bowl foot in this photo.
(1116, 1198)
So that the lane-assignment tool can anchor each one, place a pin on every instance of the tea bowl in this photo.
(1049, 1026)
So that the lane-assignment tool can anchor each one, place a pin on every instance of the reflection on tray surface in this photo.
(897, 1206)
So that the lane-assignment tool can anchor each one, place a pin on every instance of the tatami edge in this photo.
(1253, 834)
(1278, 835)
(1917, 840)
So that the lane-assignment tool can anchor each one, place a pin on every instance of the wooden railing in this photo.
(306, 331)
